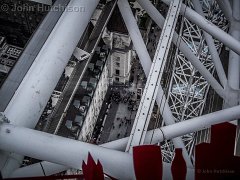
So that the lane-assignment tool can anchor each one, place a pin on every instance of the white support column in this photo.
(30, 99)
(159, 20)
(144, 112)
(209, 27)
(212, 48)
(146, 64)
(234, 60)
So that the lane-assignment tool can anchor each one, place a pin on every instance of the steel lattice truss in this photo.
(188, 89)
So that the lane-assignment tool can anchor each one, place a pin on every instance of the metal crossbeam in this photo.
(150, 92)
(188, 89)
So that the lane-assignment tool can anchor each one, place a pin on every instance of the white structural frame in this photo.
(188, 89)
(145, 108)
(146, 62)
(24, 141)
(52, 147)
(32, 95)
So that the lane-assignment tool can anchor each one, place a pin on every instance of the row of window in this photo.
(7, 62)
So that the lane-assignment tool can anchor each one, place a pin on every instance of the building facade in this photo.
(121, 49)
(121, 57)
(9, 55)
(95, 106)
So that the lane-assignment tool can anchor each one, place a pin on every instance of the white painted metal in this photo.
(183, 47)
(53, 148)
(144, 113)
(146, 64)
(209, 27)
(212, 48)
(64, 151)
(152, 137)
(185, 51)
(182, 128)
(27, 144)
(234, 59)
(7, 138)
(188, 90)
(30, 99)
(35, 170)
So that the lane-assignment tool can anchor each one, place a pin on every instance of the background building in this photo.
(9, 55)
(117, 38)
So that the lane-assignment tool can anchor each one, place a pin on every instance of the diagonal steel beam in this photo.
(53, 148)
(146, 64)
(178, 41)
(144, 112)
(32, 95)
(209, 27)
(10, 134)
(152, 137)
(212, 48)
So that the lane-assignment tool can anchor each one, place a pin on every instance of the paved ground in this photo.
(119, 116)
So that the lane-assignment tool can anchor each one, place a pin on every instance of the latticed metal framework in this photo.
(197, 59)
(188, 89)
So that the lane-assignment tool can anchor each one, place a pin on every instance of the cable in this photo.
(42, 169)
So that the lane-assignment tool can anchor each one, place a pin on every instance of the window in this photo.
(117, 79)
(117, 64)
(117, 72)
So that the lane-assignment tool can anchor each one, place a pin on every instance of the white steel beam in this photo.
(212, 48)
(234, 59)
(183, 47)
(64, 151)
(144, 112)
(152, 137)
(146, 64)
(68, 152)
(209, 27)
(182, 128)
(31, 97)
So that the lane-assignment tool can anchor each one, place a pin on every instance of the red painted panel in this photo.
(147, 162)
(216, 160)
(179, 168)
